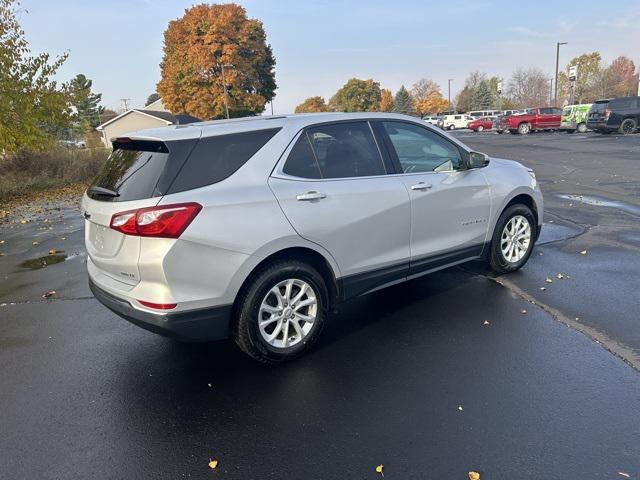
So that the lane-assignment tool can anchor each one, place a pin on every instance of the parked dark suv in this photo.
(619, 114)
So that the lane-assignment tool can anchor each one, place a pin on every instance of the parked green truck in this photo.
(574, 118)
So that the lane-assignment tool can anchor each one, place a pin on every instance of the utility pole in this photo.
(449, 82)
(125, 103)
(224, 87)
(555, 98)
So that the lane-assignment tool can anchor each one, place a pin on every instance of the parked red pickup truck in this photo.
(546, 118)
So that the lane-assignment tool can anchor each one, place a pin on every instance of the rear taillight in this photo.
(606, 113)
(166, 221)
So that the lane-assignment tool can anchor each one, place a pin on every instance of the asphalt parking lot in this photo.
(410, 377)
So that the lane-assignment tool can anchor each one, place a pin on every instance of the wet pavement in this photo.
(410, 377)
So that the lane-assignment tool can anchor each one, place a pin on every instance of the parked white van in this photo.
(451, 122)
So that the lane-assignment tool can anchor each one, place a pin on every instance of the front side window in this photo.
(420, 150)
(339, 150)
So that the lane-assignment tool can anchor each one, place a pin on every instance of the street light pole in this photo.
(224, 87)
(555, 98)
(449, 82)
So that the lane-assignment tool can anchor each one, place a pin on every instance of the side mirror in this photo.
(478, 160)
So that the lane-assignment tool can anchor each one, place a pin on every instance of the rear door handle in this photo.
(310, 196)
(421, 186)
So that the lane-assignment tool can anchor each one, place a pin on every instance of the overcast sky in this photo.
(319, 45)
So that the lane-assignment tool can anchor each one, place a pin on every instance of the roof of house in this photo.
(167, 117)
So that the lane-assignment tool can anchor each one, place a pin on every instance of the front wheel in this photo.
(512, 240)
(480, 128)
(582, 128)
(280, 314)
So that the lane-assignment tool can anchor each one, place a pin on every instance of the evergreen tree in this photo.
(151, 98)
(85, 102)
(483, 97)
(402, 102)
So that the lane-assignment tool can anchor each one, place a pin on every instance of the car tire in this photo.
(582, 128)
(524, 128)
(248, 334)
(500, 132)
(628, 126)
(570, 131)
(480, 128)
(500, 258)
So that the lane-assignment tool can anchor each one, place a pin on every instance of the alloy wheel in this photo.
(515, 239)
(287, 313)
(627, 127)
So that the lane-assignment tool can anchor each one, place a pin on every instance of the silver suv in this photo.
(256, 228)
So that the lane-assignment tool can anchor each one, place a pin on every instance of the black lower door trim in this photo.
(360, 283)
(441, 260)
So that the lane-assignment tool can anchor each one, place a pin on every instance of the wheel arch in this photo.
(304, 254)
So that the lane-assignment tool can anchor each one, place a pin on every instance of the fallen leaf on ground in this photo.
(559, 276)
(49, 294)
(213, 463)
(379, 469)
(486, 322)
(583, 252)
(474, 476)
(523, 311)
(548, 280)
(460, 407)
(23, 221)
(543, 288)
(623, 474)
(35, 243)
(1, 242)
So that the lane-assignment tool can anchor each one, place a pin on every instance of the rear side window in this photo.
(623, 103)
(215, 158)
(134, 170)
(341, 150)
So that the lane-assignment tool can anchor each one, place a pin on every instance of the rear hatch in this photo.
(596, 112)
(136, 175)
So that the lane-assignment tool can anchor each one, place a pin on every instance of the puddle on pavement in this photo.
(603, 202)
(552, 232)
(42, 262)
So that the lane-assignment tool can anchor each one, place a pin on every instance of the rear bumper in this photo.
(205, 324)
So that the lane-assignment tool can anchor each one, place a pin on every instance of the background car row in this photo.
(620, 115)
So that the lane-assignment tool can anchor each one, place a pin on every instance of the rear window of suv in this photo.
(145, 169)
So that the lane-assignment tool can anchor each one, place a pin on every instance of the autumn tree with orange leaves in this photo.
(427, 97)
(386, 100)
(195, 48)
(312, 105)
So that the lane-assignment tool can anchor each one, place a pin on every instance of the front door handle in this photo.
(421, 186)
(310, 196)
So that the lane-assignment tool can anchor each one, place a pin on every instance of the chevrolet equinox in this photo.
(256, 228)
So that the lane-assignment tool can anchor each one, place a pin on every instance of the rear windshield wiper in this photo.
(105, 192)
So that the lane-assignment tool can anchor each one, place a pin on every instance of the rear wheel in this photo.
(480, 128)
(524, 128)
(280, 314)
(582, 127)
(513, 238)
(628, 126)
(500, 131)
